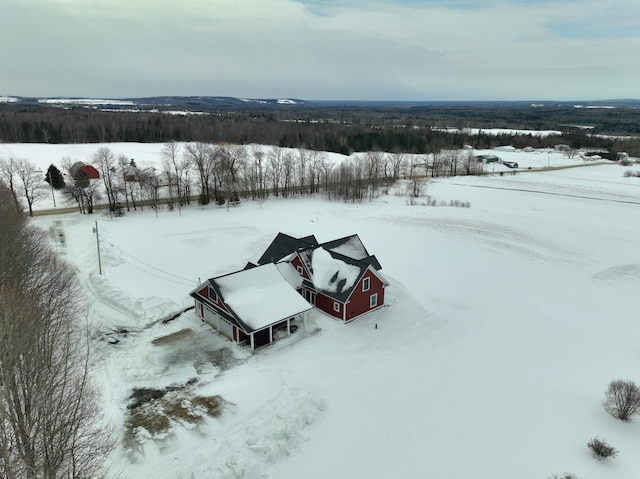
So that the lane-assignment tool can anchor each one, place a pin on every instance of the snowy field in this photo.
(504, 324)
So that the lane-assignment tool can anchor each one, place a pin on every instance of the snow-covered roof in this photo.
(331, 274)
(334, 266)
(284, 245)
(351, 247)
(289, 273)
(261, 296)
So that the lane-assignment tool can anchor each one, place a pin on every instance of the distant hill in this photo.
(209, 103)
(161, 103)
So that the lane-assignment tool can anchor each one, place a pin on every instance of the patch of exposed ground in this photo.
(152, 414)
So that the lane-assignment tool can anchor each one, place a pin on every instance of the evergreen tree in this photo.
(54, 177)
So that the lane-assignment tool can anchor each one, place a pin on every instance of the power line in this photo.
(190, 281)
(160, 277)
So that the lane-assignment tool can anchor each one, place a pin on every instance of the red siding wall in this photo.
(359, 301)
(295, 262)
(204, 292)
(326, 304)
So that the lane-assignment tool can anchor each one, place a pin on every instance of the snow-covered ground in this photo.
(504, 324)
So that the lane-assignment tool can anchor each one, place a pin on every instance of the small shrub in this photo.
(624, 161)
(459, 204)
(564, 475)
(118, 211)
(631, 173)
(600, 449)
(203, 199)
(622, 399)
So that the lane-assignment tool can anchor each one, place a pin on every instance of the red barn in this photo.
(90, 171)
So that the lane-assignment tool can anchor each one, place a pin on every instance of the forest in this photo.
(334, 127)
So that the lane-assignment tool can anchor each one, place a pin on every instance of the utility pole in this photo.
(51, 185)
(98, 243)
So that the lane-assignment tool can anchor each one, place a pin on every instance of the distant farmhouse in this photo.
(263, 302)
(487, 158)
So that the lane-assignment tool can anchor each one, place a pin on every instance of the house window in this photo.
(373, 300)
(336, 306)
(212, 294)
(299, 269)
(365, 284)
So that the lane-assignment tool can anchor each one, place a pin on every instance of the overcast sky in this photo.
(322, 49)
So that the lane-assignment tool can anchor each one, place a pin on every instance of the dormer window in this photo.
(213, 296)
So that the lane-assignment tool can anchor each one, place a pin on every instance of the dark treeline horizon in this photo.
(340, 129)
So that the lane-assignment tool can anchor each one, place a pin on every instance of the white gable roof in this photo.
(261, 296)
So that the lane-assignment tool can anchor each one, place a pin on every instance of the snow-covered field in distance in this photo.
(505, 323)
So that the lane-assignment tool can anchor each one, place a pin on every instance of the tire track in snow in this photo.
(500, 238)
(554, 193)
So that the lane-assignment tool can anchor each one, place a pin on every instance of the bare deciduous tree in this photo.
(471, 164)
(200, 155)
(288, 169)
(150, 185)
(50, 425)
(170, 157)
(374, 164)
(275, 168)
(397, 160)
(9, 174)
(106, 161)
(452, 159)
(260, 171)
(31, 180)
(231, 160)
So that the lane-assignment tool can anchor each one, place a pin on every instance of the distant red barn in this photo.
(88, 170)
(91, 172)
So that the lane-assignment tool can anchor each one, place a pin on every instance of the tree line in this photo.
(49, 414)
(224, 174)
(334, 130)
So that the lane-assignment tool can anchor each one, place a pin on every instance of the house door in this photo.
(310, 296)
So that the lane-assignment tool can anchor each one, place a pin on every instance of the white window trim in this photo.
(373, 303)
(299, 269)
(366, 284)
(336, 306)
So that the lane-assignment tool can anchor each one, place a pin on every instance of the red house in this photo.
(339, 277)
(263, 302)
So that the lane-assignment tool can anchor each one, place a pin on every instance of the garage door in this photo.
(218, 322)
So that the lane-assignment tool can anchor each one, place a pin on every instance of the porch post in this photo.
(288, 326)
(251, 338)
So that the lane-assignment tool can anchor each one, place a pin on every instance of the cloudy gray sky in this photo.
(322, 49)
